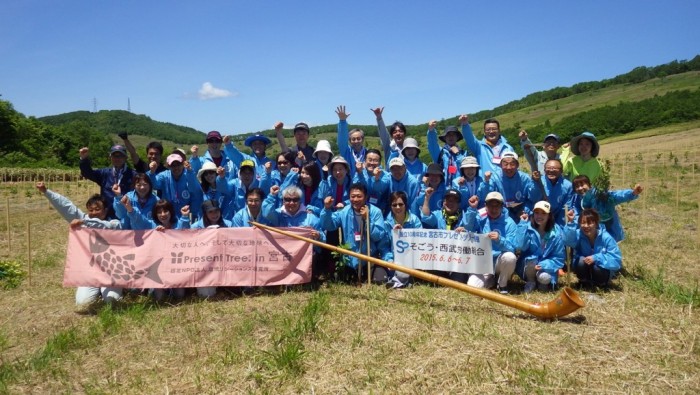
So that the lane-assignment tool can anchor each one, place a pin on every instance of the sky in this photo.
(240, 66)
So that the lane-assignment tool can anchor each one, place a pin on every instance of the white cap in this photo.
(396, 162)
(494, 196)
(509, 154)
(542, 205)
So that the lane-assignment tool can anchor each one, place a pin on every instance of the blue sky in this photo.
(239, 66)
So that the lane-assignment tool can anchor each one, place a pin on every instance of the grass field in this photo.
(641, 336)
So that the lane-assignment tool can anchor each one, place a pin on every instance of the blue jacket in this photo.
(444, 157)
(332, 185)
(142, 212)
(435, 202)
(604, 250)
(411, 222)
(559, 195)
(489, 158)
(378, 191)
(519, 192)
(354, 236)
(242, 218)
(237, 157)
(606, 210)
(198, 161)
(178, 191)
(346, 150)
(481, 190)
(480, 222)
(407, 184)
(416, 168)
(219, 194)
(275, 178)
(548, 252)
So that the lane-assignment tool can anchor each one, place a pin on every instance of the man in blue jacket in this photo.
(491, 148)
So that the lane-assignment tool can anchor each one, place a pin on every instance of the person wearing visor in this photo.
(536, 159)
(119, 173)
(495, 222)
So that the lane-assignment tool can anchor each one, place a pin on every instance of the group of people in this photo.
(357, 195)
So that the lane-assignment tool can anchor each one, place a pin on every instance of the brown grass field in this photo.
(641, 336)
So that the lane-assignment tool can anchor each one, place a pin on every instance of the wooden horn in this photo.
(564, 304)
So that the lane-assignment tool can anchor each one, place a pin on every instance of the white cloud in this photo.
(210, 92)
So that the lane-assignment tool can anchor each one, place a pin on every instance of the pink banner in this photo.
(186, 258)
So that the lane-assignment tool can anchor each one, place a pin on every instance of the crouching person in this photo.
(596, 255)
(96, 217)
(353, 220)
(294, 213)
(500, 228)
(541, 244)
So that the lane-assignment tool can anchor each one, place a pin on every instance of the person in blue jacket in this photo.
(450, 155)
(286, 174)
(213, 154)
(313, 188)
(400, 217)
(518, 189)
(236, 188)
(400, 180)
(495, 222)
(559, 191)
(141, 199)
(258, 143)
(118, 173)
(470, 183)
(433, 178)
(597, 257)
(490, 149)
(174, 184)
(354, 219)
(351, 145)
(252, 210)
(410, 153)
(374, 178)
(541, 244)
(339, 181)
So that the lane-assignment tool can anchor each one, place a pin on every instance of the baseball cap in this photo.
(247, 163)
(494, 196)
(453, 193)
(172, 158)
(396, 162)
(301, 126)
(117, 148)
(552, 136)
(214, 135)
(542, 205)
(509, 154)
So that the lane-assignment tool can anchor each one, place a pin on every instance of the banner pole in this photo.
(29, 253)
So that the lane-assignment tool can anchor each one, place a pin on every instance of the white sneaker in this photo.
(530, 286)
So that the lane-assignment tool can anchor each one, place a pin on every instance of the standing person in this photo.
(470, 183)
(398, 218)
(252, 210)
(174, 184)
(236, 188)
(410, 153)
(596, 255)
(585, 147)
(312, 186)
(302, 151)
(322, 156)
(140, 202)
(450, 155)
(351, 145)
(354, 219)
(213, 154)
(542, 253)
(400, 180)
(154, 153)
(434, 178)
(518, 189)
(374, 178)
(339, 181)
(500, 228)
(258, 144)
(537, 159)
(211, 185)
(391, 144)
(118, 173)
(489, 150)
(560, 192)
(95, 218)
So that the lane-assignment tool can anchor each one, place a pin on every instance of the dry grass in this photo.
(639, 337)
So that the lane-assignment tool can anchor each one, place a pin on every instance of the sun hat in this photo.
(322, 146)
(338, 159)
(543, 205)
(435, 169)
(208, 166)
(585, 135)
(468, 162)
(410, 142)
(451, 129)
(257, 137)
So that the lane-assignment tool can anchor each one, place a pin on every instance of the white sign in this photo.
(445, 250)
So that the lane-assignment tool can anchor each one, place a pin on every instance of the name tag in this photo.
(358, 237)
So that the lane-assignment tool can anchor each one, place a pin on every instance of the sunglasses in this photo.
(397, 205)
(292, 200)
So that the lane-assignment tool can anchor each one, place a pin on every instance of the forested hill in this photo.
(115, 121)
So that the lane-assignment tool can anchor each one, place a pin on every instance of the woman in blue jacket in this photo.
(400, 217)
(596, 255)
(541, 244)
(141, 200)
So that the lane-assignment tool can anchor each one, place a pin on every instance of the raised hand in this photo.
(328, 202)
(41, 186)
(342, 115)
(268, 167)
(194, 150)
(153, 166)
(570, 216)
(227, 139)
(185, 211)
(377, 112)
(463, 119)
(429, 192)
(84, 152)
(637, 189)
(127, 203)
(432, 125)
(220, 171)
(487, 176)
(274, 190)
(279, 125)
(474, 202)
(117, 190)
(378, 173)
(522, 134)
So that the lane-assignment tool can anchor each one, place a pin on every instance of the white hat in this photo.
(469, 161)
(542, 205)
(494, 196)
(208, 166)
(396, 162)
(509, 154)
(410, 142)
(323, 146)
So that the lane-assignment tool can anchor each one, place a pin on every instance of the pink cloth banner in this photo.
(186, 258)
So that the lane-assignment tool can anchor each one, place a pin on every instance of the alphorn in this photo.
(564, 304)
